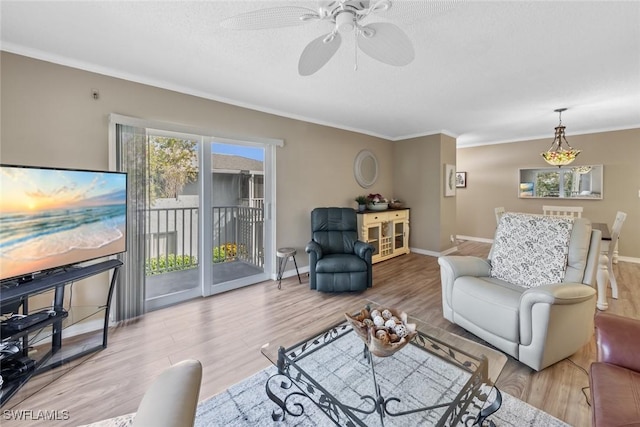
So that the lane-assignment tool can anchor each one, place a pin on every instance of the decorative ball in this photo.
(368, 322)
(390, 324)
(378, 321)
(382, 335)
(401, 330)
(395, 319)
(375, 313)
(387, 314)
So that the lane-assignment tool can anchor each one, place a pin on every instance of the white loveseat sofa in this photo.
(528, 299)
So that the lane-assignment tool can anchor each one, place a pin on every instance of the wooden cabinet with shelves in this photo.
(387, 231)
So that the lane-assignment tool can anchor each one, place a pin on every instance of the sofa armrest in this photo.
(617, 340)
(363, 250)
(452, 267)
(315, 248)
(172, 398)
(459, 266)
(556, 294)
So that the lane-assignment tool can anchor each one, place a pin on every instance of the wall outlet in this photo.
(452, 238)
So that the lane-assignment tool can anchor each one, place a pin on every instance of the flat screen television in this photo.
(52, 218)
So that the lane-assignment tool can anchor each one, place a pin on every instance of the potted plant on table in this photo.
(376, 202)
(362, 203)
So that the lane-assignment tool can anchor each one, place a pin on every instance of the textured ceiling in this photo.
(484, 71)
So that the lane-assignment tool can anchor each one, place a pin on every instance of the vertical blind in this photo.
(131, 157)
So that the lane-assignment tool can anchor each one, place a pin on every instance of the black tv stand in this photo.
(24, 279)
(55, 356)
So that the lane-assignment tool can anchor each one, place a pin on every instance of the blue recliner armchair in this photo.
(338, 261)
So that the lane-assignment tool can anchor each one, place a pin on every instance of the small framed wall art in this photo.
(461, 180)
(449, 180)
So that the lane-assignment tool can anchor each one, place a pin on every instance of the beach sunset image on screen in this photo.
(56, 217)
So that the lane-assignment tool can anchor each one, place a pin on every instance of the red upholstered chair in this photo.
(615, 377)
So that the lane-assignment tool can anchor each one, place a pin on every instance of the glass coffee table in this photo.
(438, 379)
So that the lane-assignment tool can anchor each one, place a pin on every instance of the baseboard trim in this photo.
(474, 239)
(290, 273)
(449, 251)
(84, 327)
(629, 259)
(432, 253)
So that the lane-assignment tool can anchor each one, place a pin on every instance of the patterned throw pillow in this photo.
(531, 250)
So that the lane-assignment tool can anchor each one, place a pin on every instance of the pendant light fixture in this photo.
(557, 155)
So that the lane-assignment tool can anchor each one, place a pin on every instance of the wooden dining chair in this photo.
(571, 211)
(615, 234)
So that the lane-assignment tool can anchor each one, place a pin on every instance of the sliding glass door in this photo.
(237, 209)
(183, 262)
(204, 210)
(172, 218)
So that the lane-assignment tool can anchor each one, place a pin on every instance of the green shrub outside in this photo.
(171, 262)
(219, 254)
(227, 252)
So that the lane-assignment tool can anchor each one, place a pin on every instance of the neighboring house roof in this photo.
(228, 162)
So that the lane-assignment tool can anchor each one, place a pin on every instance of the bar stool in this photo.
(283, 256)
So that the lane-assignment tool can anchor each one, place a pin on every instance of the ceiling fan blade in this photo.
(273, 17)
(387, 43)
(318, 53)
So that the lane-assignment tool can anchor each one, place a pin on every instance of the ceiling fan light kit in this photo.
(345, 22)
(382, 41)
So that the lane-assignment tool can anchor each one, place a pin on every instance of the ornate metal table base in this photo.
(307, 388)
(485, 413)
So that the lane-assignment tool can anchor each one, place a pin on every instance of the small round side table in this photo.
(283, 256)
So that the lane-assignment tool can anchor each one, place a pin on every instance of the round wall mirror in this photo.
(365, 168)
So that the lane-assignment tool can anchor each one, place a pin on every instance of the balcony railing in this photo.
(173, 237)
(240, 230)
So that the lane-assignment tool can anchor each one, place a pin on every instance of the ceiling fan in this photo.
(383, 41)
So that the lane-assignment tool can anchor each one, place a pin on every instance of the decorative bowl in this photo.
(379, 206)
(396, 205)
(381, 347)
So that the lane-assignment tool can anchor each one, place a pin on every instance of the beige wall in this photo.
(448, 207)
(49, 118)
(492, 180)
(418, 176)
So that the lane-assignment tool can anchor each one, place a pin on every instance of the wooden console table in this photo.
(387, 231)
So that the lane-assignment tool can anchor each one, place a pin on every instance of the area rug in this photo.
(247, 404)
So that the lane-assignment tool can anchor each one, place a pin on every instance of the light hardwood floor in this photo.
(226, 331)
